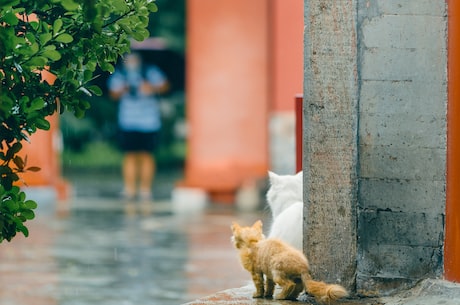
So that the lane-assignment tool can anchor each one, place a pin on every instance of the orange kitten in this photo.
(281, 264)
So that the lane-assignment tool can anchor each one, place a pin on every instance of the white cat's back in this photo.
(287, 226)
(285, 200)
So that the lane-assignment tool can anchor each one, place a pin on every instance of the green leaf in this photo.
(87, 75)
(45, 38)
(69, 5)
(84, 104)
(30, 204)
(15, 148)
(33, 169)
(139, 36)
(34, 47)
(10, 18)
(125, 26)
(37, 62)
(11, 205)
(64, 38)
(95, 90)
(30, 37)
(24, 48)
(6, 3)
(52, 54)
(79, 113)
(22, 196)
(34, 25)
(57, 25)
(19, 162)
(5, 169)
(91, 65)
(7, 182)
(37, 104)
(24, 100)
(106, 66)
(49, 47)
(15, 190)
(120, 5)
(152, 7)
(23, 229)
(41, 123)
(28, 214)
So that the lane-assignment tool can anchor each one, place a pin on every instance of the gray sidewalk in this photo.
(428, 292)
(101, 250)
(105, 251)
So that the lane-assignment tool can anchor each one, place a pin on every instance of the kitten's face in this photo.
(245, 236)
(284, 191)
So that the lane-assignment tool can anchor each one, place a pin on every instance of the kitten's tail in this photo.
(321, 291)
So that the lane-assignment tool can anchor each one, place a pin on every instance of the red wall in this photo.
(286, 45)
(227, 95)
(452, 242)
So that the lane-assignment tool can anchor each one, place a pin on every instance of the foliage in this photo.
(69, 39)
(103, 156)
(170, 24)
(14, 211)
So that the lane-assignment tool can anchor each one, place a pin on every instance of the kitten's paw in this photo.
(268, 295)
(280, 297)
(257, 295)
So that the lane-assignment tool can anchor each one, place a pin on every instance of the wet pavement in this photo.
(426, 292)
(105, 251)
(98, 249)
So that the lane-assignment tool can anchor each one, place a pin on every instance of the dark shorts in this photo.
(135, 141)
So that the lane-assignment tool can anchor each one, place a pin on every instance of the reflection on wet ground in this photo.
(110, 252)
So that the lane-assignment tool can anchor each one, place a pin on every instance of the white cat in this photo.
(285, 200)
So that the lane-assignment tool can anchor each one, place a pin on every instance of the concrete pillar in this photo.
(330, 140)
(402, 143)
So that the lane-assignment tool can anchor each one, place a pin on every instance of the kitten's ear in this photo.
(299, 176)
(257, 225)
(235, 226)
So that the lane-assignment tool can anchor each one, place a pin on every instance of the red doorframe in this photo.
(298, 131)
(452, 239)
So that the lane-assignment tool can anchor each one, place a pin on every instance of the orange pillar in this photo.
(227, 94)
(452, 239)
(43, 151)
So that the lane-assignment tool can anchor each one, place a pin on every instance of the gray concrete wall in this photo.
(402, 142)
(375, 141)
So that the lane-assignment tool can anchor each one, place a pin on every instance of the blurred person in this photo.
(136, 87)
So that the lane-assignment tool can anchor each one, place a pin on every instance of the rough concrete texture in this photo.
(402, 143)
(330, 139)
(375, 141)
(428, 292)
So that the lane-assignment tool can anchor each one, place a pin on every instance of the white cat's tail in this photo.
(321, 291)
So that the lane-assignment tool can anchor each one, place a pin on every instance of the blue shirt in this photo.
(137, 111)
